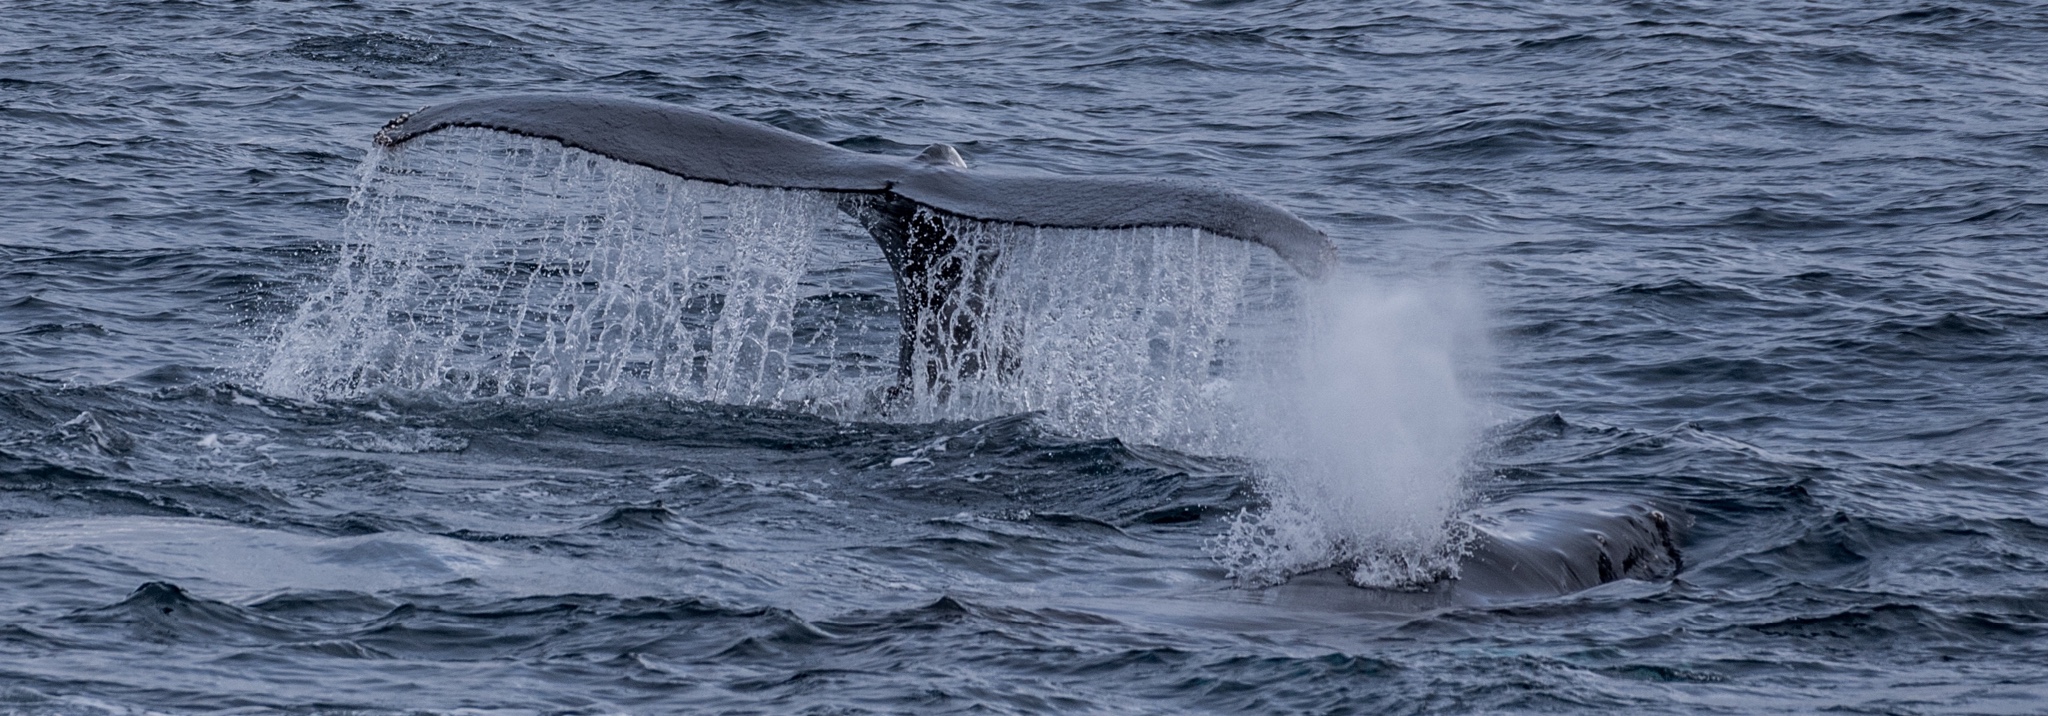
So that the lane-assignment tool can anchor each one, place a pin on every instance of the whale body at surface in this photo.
(1523, 548)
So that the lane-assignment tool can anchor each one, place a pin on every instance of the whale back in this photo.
(711, 147)
(1559, 544)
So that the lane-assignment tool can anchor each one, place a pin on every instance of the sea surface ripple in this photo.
(1781, 264)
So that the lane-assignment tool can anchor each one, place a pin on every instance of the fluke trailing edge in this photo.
(900, 201)
(712, 147)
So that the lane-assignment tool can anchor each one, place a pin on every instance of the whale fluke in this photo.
(904, 203)
(707, 146)
(690, 143)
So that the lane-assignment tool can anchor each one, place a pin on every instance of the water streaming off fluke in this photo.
(484, 264)
(482, 267)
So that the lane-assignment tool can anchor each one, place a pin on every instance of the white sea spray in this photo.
(1365, 426)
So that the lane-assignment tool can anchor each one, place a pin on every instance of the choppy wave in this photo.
(1772, 268)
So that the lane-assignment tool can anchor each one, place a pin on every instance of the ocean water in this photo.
(1777, 268)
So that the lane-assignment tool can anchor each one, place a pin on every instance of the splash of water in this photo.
(1366, 424)
(489, 266)
(482, 264)
(1104, 332)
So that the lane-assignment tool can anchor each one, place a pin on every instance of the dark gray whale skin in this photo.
(1559, 544)
(707, 146)
(1524, 548)
(896, 199)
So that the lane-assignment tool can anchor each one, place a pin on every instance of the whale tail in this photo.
(943, 286)
(913, 207)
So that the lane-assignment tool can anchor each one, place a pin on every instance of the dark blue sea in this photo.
(1776, 269)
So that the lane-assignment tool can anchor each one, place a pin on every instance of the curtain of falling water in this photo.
(1106, 332)
(482, 264)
